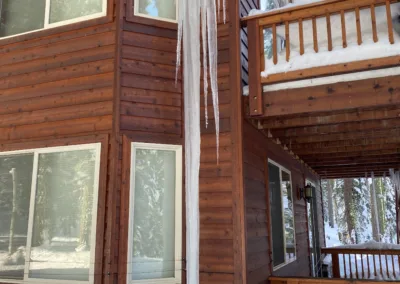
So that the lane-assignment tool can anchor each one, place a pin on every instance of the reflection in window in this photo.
(22, 16)
(155, 228)
(162, 9)
(62, 10)
(15, 193)
(61, 243)
(282, 223)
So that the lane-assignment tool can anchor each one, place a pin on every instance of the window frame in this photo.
(131, 16)
(48, 25)
(36, 152)
(137, 14)
(287, 261)
(178, 211)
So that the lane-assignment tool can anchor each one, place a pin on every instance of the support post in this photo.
(256, 55)
(335, 265)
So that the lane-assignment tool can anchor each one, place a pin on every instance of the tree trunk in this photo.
(330, 203)
(14, 212)
(348, 188)
(374, 213)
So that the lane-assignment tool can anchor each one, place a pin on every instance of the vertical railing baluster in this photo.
(380, 264)
(301, 36)
(274, 44)
(287, 35)
(344, 36)
(351, 270)
(262, 51)
(356, 266)
(389, 21)
(369, 270)
(344, 265)
(358, 24)
(315, 32)
(375, 274)
(373, 22)
(394, 270)
(329, 31)
(387, 266)
(362, 267)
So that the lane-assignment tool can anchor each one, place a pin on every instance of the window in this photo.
(23, 16)
(282, 222)
(48, 211)
(166, 10)
(155, 225)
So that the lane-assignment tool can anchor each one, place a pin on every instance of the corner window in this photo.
(155, 222)
(48, 211)
(282, 217)
(166, 10)
(23, 16)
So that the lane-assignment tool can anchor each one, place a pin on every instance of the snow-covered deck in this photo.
(321, 39)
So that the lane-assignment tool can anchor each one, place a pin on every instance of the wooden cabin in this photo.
(92, 136)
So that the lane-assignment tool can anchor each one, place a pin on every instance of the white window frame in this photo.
(178, 211)
(136, 12)
(287, 261)
(48, 25)
(36, 152)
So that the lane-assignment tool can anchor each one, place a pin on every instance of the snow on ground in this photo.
(332, 236)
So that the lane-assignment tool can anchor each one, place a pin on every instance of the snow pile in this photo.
(371, 245)
(353, 52)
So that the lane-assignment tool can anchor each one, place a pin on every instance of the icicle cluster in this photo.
(197, 19)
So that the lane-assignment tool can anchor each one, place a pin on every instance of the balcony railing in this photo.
(324, 38)
(364, 263)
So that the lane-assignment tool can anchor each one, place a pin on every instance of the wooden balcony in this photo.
(382, 264)
(328, 89)
(326, 38)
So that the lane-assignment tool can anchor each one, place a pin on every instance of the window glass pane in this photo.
(15, 191)
(154, 215)
(61, 238)
(278, 242)
(62, 10)
(287, 198)
(158, 8)
(20, 16)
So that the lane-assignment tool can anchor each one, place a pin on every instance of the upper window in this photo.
(48, 205)
(155, 226)
(282, 222)
(166, 10)
(23, 16)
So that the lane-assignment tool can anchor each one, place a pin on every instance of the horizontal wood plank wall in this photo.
(58, 89)
(257, 148)
(150, 106)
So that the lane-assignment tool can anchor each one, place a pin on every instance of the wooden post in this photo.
(335, 265)
(14, 212)
(255, 88)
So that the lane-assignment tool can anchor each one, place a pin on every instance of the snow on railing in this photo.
(320, 39)
(367, 261)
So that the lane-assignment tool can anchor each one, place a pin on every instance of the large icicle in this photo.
(191, 14)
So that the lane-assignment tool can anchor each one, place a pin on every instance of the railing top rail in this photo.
(309, 11)
(359, 251)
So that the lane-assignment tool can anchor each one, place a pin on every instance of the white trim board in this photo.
(357, 76)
